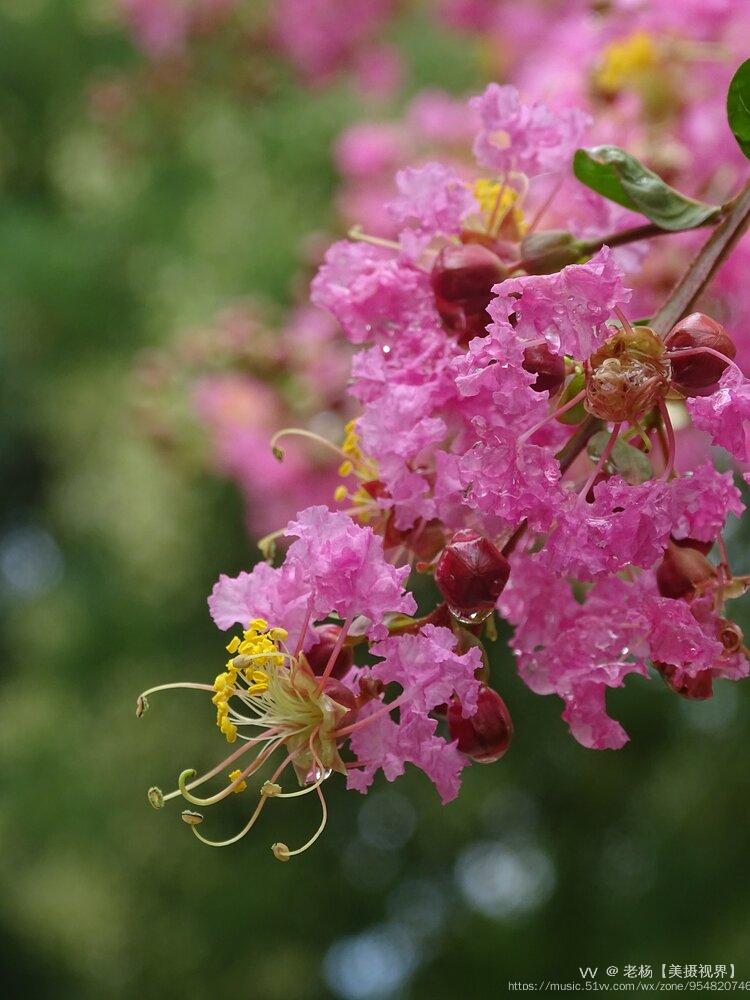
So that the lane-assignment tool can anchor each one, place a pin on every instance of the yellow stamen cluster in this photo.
(258, 649)
(358, 464)
(498, 205)
(625, 61)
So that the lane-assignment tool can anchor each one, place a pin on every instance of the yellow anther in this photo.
(234, 645)
(339, 493)
(496, 202)
(624, 61)
(257, 689)
(346, 468)
(278, 634)
(258, 625)
(233, 776)
(259, 676)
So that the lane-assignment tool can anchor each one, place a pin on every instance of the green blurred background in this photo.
(555, 858)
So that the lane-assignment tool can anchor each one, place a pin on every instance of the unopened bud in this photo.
(699, 374)
(681, 571)
(697, 688)
(462, 279)
(319, 654)
(471, 574)
(548, 252)
(549, 368)
(486, 735)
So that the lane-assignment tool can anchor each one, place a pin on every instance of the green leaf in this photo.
(618, 176)
(738, 107)
(629, 462)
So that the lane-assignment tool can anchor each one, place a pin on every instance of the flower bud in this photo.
(462, 279)
(699, 374)
(697, 688)
(471, 574)
(681, 571)
(486, 735)
(550, 251)
(319, 654)
(549, 368)
(627, 375)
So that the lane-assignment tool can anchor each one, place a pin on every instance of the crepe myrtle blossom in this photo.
(515, 442)
(283, 700)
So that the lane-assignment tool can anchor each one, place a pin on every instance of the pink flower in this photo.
(429, 671)
(274, 594)
(703, 499)
(725, 413)
(428, 664)
(507, 480)
(569, 309)
(370, 291)
(432, 200)
(530, 138)
(344, 566)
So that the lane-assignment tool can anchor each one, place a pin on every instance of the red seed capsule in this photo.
(681, 571)
(698, 375)
(697, 688)
(471, 573)
(319, 654)
(487, 734)
(462, 279)
(549, 368)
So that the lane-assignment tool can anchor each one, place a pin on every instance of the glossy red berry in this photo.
(319, 654)
(549, 368)
(462, 279)
(698, 374)
(471, 573)
(486, 735)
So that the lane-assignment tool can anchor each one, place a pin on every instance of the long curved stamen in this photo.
(626, 325)
(604, 458)
(553, 416)
(301, 432)
(357, 233)
(671, 442)
(259, 761)
(281, 851)
(141, 703)
(217, 769)
(250, 823)
(322, 771)
(303, 630)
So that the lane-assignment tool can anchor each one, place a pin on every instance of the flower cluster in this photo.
(515, 440)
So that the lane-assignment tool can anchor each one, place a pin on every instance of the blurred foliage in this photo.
(556, 857)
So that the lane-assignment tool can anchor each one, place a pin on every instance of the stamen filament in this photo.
(671, 442)
(335, 651)
(553, 416)
(603, 459)
(311, 435)
(357, 233)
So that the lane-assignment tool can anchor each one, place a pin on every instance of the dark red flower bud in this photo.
(487, 734)
(697, 688)
(462, 279)
(681, 571)
(471, 574)
(699, 374)
(319, 654)
(549, 368)
(693, 543)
